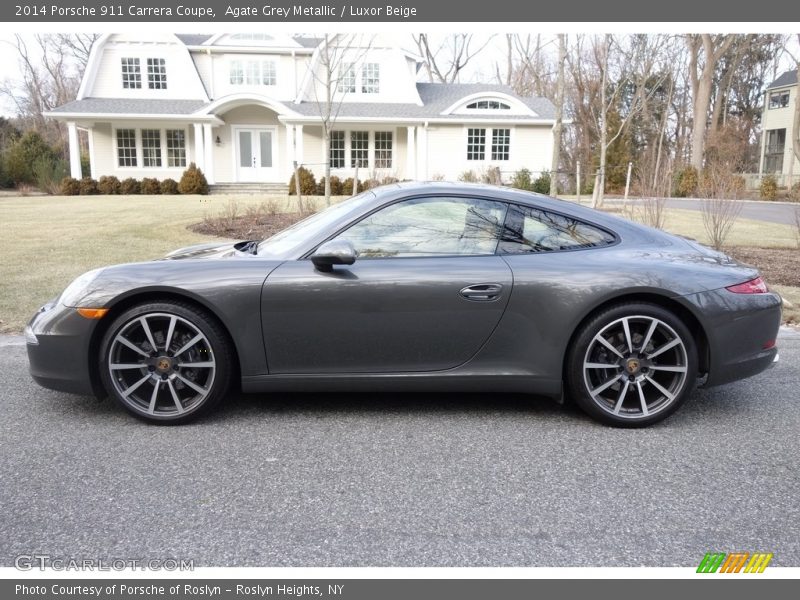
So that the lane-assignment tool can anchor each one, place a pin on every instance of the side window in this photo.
(429, 227)
(531, 230)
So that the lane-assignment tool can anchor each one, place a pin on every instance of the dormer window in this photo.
(371, 78)
(488, 105)
(156, 74)
(131, 74)
(347, 79)
(253, 72)
(251, 37)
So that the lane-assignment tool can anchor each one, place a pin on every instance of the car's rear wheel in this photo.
(632, 365)
(166, 362)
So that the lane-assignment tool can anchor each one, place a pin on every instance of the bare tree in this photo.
(557, 127)
(445, 61)
(333, 70)
(638, 64)
(51, 69)
(720, 185)
(705, 52)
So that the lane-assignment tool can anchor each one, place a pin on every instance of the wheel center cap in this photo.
(163, 364)
(632, 366)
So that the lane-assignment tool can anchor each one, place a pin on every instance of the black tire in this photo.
(642, 386)
(175, 382)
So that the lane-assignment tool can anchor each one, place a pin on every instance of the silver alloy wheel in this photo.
(635, 367)
(161, 365)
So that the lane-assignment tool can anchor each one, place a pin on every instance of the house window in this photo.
(253, 72)
(488, 105)
(779, 99)
(251, 37)
(476, 144)
(131, 73)
(156, 74)
(126, 147)
(151, 147)
(336, 150)
(501, 144)
(773, 151)
(176, 148)
(237, 72)
(359, 148)
(347, 79)
(383, 149)
(371, 78)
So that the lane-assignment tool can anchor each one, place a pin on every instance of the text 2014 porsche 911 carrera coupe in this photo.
(429, 286)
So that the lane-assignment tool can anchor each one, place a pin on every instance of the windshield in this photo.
(291, 237)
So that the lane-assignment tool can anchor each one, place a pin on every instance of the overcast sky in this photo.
(482, 68)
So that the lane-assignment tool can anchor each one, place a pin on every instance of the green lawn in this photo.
(48, 240)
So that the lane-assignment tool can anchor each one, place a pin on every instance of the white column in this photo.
(290, 149)
(298, 143)
(92, 159)
(411, 154)
(208, 139)
(422, 154)
(74, 151)
(199, 152)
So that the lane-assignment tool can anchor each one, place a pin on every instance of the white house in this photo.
(777, 153)
(245, 106)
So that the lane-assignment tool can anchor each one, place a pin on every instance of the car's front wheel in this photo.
(632, 365)
(165, 362)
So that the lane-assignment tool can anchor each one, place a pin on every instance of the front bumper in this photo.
(741, 331)
(58, 341)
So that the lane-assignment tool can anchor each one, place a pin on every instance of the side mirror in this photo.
(334, 252)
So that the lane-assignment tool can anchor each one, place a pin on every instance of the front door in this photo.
(255, 154)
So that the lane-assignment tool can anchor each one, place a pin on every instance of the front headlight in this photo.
(78, 288)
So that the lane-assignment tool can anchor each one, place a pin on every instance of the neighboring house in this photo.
(777, 154)
(244, 107)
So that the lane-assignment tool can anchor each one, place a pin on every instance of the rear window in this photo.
(530, 230)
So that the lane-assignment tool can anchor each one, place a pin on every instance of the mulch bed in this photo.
(779, 266)
(254, 226)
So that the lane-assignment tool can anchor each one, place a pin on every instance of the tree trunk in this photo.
(562, 59)
(702, 85)
(600, 180)
(700, 114)
(326, 139)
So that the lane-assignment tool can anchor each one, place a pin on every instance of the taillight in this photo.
(754, 286)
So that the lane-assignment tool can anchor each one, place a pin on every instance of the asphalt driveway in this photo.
(402, 480)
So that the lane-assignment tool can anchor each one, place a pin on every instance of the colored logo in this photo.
(735, 562)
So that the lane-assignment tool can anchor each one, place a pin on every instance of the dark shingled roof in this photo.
(196, 39)
(193, 39)
(785, 80)
(436, 97)
(136, 106)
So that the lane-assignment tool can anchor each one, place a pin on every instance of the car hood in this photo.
(214, 250)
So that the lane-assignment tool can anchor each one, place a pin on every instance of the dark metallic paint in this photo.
(402, 324)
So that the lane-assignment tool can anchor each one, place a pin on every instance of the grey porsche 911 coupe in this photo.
(408, 287)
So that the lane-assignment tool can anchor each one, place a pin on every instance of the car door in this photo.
(426, 291)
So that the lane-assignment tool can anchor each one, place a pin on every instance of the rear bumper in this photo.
(58, 349)
(742, 330)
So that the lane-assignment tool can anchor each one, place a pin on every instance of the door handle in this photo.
(482, 292)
